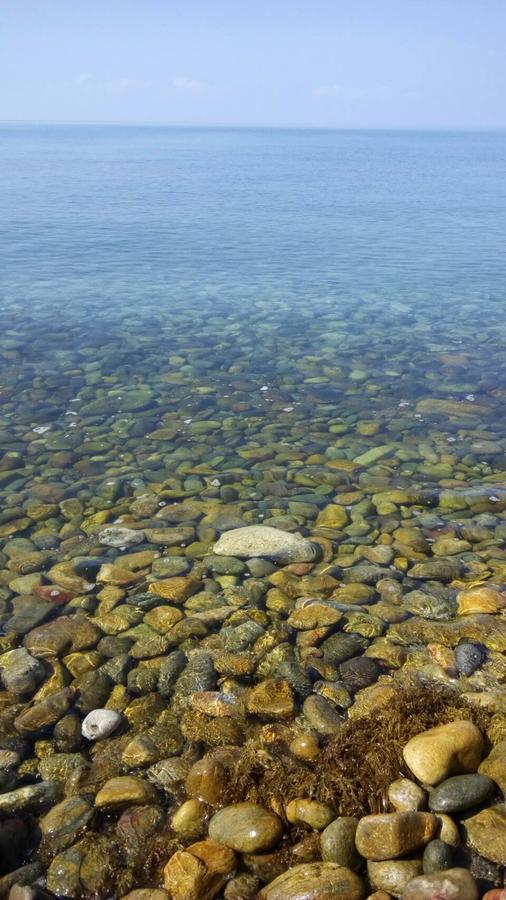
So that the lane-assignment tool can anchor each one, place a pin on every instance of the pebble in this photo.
(303, 811)
(113, 536)
(33, 797)
(480, 600)
(100, 723)
(263, 541)
(20, 672)
(461, 792)
(305, 746)
(469, 656)
(61, 825)
(392, 875)
(337, 842)
(437, 857)
(314, 881)
(125, 789)
(486, 833)
(271, 699)
(444, 750)
(406, 795)
(200, 871)
(189, 820)
(453, 884)
(246, 827)
(321, 715)
(390, 835)
(448, 830)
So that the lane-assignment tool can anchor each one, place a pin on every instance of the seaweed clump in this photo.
(356, 767)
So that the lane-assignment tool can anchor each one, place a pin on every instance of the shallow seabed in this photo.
(209, 329)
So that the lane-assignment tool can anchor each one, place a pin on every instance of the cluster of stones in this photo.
(184, 627)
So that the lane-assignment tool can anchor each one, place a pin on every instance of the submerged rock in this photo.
(100, 723)
(271, 543)
(452, 749)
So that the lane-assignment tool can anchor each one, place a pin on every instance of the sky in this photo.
(322, 63)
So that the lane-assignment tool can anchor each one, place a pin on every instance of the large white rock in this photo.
(270, 543)
(100, 723)
(114, 536)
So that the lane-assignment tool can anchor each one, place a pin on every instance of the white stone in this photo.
(100, 723)
(120, 537)
(264, 541)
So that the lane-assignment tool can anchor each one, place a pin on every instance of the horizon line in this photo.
(308, 126)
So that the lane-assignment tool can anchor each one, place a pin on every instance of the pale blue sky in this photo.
(343, 63)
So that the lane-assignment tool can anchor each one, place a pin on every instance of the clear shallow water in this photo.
(207, 328)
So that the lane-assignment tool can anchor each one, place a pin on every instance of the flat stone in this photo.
(264, 541)
(321, 715)
(114, 536)
(480, 600)
(125, 789)
(494, 765)
(461, 792)
(163, 618)
(20, 672)
(315, 881)
(246, 827)
(178, 589)
(271, 699)
(406, 796)
(452, 749)
(45, 713)
(33, 797)
(337, 842)
(390, 835)
(486, 833)
(453, 884)
(392, 875)
(199, 872)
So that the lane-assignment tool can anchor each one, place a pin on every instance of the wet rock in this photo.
(390, 835)
(271, 699)
(406, 796)
(469, 656)
(305, 746)
(114, 536)
(45, 713)
(359, 673)
(100, 723)
(437, 569)
(93, 690)
(303, 811)
(190, 819)
(314, 880)
(337, 842)
(62, 824)
(125, 789)
(246, 827)
(168, 774)
(20, 672)
(321, 716)
(486, 833)
(177, 589)
(198, 872)
(245, 887)
(453, 884)
(61, 766)
(445, 750)
(437, 857)
(480, 600)
(461, 792)
(32, 797)
(448, 830)
(264, 541)
(393, 875)
(146, 894)
(340, 647)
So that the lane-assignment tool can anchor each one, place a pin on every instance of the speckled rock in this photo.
(200, 871)
(64, 821)
(437, 857)
(20, 672)
(480, 600)
(486, 833)
(246, 827)
(446, 750)
(453, 884)
(390, 835)
(125, 789)
(115, 536)
(264, 541)
(337, 842)
(271, 699)
(469, 656)
(406, 795)
(315, 881)
(392, 875)
(100, 723)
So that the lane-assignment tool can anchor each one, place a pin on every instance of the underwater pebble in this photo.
(100, 723)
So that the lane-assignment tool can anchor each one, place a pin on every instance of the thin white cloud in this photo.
(116, 86)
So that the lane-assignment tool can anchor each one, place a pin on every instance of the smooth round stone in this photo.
(453, 884)
(461, 792)
(64, 820)
(303, 811)
(189, 819)
(125, 789)
(406, 796)
(337, 842)
(444, 750)
(469, 656)
(305, 746)
(448, 830)
(265, 541)
(359, 672)
(100, 723)
(392, 875)
(437, 857)
(246, 827)
(315, 881)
